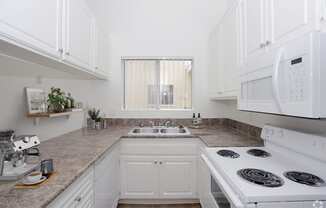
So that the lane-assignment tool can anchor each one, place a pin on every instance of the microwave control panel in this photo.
(296, 76)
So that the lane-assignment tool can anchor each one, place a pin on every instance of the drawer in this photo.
(78, 194)
(186, 146)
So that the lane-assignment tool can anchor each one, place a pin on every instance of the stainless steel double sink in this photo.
(159, 131)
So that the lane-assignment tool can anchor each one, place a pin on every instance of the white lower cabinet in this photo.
(139, 177)
(132, 170)
(160, 175)
(78, 195)
(148, 177)
(177, 177)
(107, 180)
(98, 187)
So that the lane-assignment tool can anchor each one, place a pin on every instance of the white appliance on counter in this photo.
(288, 80)
(289, 172)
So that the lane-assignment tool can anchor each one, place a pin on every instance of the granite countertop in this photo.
(75, 152)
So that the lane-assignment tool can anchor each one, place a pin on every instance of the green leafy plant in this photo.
(56, 100)
(94, 114)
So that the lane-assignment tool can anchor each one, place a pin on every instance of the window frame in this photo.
(158, 59)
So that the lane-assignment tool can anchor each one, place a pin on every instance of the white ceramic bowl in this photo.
(34, 176)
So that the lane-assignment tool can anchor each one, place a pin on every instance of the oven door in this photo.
(221, 192)
(218, 195)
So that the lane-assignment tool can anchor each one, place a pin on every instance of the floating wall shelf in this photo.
(37, 116)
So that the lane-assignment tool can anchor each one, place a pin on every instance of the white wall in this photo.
(160, 28)
(136, 28)
(13, 105)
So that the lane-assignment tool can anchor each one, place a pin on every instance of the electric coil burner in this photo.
(261, 177)
(258, 153)
(228, 153)
(305, 178)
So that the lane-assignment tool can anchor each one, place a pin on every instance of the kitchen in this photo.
(162, 103)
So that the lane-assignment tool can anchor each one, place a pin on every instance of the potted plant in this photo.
(56, 100)
(95, 119)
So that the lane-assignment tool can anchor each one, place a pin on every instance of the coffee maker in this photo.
(16, 153)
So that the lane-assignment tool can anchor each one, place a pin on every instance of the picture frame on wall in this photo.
(36, 100)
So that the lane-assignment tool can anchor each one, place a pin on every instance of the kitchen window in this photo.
(157, 83)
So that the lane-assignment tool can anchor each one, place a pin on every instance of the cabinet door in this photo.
(139, 177)
(229, 53)
(78, 34)
(80, 194)
(107, 177)
(35, 24)
(290, 19)
(101, 54)
(178, 177)
(215, 74)
(253, 12)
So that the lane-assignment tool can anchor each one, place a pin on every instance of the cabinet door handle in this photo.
(155, 162)
(268, 43)
(262, 45)
(161, 162)
(67, 53)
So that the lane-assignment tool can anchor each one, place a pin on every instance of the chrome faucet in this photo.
(151, 124)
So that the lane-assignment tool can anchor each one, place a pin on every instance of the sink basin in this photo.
(159, 131)
(173, 130)
(145, 131)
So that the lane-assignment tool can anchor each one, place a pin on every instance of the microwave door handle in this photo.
(230, 194)
(276, 88)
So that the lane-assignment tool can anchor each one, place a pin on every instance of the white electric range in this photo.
(288, 172)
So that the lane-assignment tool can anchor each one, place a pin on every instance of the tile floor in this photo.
(159, 206)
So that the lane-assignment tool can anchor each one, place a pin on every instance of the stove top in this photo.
(258, 153)
(261, 177)
(257, 179)
(228, 153)
(291, 167)
(305, 178)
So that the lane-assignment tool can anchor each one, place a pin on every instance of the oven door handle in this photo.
(276, 87)
(230, 194)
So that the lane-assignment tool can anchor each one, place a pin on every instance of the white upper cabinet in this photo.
(323, 14)
(225, 57)
(253, 12)
(290, 19)
(57, 34)
(35, 24)
(78, 34)
(215, 72)
(230, 59)
(271, 23)
(101, 54)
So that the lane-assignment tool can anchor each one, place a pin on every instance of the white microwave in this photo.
(290, 80)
